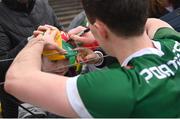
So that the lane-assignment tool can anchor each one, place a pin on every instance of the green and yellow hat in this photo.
(60, 39)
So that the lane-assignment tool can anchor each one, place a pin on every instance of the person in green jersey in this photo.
(144, 83)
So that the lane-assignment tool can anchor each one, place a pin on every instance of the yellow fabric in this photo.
(58, 40)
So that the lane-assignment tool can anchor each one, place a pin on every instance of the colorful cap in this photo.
(60, 39)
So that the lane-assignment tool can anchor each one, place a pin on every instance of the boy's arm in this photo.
(27, 82)
(44, 90)
(152, 25)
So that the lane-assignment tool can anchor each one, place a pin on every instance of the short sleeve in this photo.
(167, 33)
(106, 93)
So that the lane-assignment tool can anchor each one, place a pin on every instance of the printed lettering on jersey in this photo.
(166, 70)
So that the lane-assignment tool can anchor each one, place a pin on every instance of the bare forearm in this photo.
(45, 90)
(27, 82)
(152, 25)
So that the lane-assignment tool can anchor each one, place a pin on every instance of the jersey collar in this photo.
(157, 51)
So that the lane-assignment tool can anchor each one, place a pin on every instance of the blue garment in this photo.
(173, 18)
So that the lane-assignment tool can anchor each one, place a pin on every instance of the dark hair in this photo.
(124, 17)
(157, 8)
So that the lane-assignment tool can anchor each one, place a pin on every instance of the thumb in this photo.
(35, 46)
(38, 40)
(54, 46)
(91, 56)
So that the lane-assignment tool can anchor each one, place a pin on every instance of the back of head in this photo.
(123, 17)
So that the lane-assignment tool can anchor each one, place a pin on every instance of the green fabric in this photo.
(167, 33)
(71, 55)
(121, 92)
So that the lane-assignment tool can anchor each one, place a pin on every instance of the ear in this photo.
(101, 29)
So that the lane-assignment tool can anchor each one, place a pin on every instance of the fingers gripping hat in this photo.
(60, 39)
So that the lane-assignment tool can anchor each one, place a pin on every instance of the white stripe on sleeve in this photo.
(74, 98)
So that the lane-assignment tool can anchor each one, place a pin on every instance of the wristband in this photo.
(101, 58)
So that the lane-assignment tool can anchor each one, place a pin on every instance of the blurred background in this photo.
(66, 10)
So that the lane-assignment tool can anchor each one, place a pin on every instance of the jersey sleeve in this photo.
(167, 33)
(102, 94)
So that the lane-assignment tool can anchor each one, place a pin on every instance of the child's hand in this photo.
(57, 67)
(49, 34)
(86, 38)
(88, 56)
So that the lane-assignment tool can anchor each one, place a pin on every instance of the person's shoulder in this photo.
(42, 3)
(173, 18)
(113, 73)
(109, 84)
(114, 68)
(42, 7)
(165, 30)
(167, 33)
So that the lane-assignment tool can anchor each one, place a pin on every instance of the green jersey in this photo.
(147, 84)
